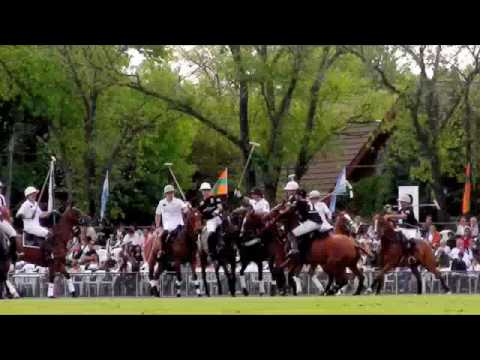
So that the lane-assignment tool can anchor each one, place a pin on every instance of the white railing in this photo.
(137, 285)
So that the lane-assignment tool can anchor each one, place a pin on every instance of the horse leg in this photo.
(361, 278)
(203, 265)
(232, 278)
(273, 284)
(71, 287)
(196, 282)
(315, 279)
(340, 282)
(217, 276)
(418, 277)
(178, 281)
(51, 281)
(154, 291)
(329, 283)
(243, 282)
(430, 266)
(261, 285)
(379, 279)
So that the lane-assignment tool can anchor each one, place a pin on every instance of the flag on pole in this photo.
(341, 188)
(51, 185)
(105, 193)
(221, 186)
(467, 193)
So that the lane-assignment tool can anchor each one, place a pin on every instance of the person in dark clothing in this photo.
(211, 208)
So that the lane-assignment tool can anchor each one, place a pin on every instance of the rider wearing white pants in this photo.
(31, 213)
(210, 207)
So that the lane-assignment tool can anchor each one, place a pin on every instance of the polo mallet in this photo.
(254, 145)
(169, 165)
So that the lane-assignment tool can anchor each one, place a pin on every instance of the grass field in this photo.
(403, 304)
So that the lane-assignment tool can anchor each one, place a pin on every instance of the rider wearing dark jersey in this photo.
(407, 220)
(211, 208)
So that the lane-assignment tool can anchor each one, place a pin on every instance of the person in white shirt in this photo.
(322, 209)
(31, 213)
(462, 253)
(130, 237)
(169, 214)
(461, 226)
(259, 204)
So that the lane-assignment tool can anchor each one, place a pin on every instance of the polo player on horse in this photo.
(407, 230)
(211, 208)
(256, 200)
(31, 214)
(309, 216)
(6, 227)
(169, 216)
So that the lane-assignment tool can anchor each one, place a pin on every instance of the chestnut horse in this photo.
(392, 255)
(53, 251)
(181, 249)
(261, 240)
(334, 253)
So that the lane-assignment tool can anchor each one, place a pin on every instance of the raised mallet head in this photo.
(168, 164)
(291, 177)
(53, 158)
(435, 202)
(253, 143)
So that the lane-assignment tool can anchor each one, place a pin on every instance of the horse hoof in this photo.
(448, 293)
(52, 297)
(154, 292)
(261, 294)
(245, 292)
(178, 295)
(73, 294)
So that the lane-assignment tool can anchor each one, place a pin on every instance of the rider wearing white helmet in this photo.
(169, 214)
(322, 209)
(407, 222)
(211, 209)
(5, 225)
(31, 213)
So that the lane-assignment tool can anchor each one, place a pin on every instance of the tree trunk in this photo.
(243, 116)
(90, 156)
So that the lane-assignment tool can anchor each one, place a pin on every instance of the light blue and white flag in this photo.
(105, 193)
(341, 188)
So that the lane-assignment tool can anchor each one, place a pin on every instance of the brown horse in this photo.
(53, 251)
(261, 240)
(182, 249)
(334, 254)
(392, 255)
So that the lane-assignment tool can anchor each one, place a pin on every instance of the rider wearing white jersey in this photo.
(169, 214)
(31, 213)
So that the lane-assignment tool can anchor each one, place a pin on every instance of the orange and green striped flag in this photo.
(468, 191)
(221, 186)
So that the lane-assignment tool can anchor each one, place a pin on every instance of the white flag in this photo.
(51, 185)
(105, 193)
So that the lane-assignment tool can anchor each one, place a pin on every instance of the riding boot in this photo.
(13, 249)
(293, 245)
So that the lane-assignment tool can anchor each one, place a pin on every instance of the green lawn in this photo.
(402, 304)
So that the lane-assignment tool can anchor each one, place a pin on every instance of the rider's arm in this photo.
(158, 216)
(397, 216)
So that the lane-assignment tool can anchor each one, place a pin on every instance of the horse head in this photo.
(74, 215)
(194, 221)
(383, 227)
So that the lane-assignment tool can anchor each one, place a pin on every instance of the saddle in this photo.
(32, 240)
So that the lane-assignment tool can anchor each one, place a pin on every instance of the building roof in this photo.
(348, 148)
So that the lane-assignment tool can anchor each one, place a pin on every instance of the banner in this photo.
(341, 188)
(467, 192)
(414, 192)
(221, 186)
(105, 193)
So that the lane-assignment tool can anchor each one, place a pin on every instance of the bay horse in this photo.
(392, 255)
(180, 249)
(225, 257)
(334, 253)
(261, 240)
(53, 251)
